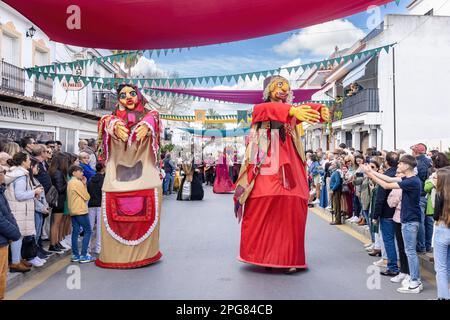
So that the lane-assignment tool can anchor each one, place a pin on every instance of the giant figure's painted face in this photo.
(128, 97)
(279, 91)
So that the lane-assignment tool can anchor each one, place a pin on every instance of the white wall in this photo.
(22, 25)
(422, 58)
(58, 53)
(83, 98)
(421, 7)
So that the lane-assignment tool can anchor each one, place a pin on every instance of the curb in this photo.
(425, 259)
(13, 280)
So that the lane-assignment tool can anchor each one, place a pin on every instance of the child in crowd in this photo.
(77, 198)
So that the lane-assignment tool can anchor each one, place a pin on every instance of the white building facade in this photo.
(403, 96)
(44, 108)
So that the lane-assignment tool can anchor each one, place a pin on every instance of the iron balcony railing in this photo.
(12, 78)
(104, 101)
(43, 88)
(363, 101)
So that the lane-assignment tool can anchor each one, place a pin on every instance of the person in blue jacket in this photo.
(336, 189)
(87, 169)
(9, 231)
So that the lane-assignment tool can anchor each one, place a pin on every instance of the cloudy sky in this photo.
(285, 49)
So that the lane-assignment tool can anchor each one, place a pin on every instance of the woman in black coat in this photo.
(58, 172)
(195, 190)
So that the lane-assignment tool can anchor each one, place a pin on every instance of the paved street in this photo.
(200, 242)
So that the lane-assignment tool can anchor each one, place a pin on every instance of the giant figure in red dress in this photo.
(271, 194)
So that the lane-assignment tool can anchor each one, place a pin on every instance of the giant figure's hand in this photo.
(305, 113)
(121, 131)
(325, 114)
(141, 132)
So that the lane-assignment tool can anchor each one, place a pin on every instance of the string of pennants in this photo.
(118, 57)
(105, 82)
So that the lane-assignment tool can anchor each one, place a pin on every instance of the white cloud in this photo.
(146, 66)
(292, 63)
(321, 39)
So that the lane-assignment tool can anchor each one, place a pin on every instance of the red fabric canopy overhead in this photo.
(166, 24)
(238, 96)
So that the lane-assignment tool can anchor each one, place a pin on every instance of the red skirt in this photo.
(273, 232)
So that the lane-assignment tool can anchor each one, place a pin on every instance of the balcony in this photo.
(43, 88)
(104, 101)
(364, 101)
(12, 78)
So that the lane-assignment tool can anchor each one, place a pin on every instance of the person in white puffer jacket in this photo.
(20, 194)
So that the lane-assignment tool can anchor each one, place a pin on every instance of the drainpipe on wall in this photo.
(394, 101)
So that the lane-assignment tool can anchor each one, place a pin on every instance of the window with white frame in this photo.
(41, 58)
(10, 49)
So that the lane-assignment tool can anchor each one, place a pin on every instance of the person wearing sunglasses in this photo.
(28, 143)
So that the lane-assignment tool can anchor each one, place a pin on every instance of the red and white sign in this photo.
(72, 85)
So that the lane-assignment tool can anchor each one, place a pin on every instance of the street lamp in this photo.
(31, 31)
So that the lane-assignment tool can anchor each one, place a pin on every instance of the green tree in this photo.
(130, 61)
(448, 154)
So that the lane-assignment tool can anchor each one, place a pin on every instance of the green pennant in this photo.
(29, 73)
(221, 79)
(387, 48)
